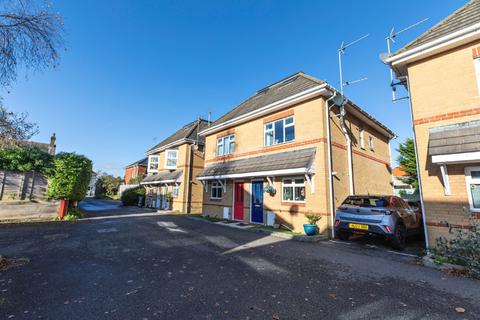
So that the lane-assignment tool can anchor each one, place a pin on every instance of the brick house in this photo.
(441, 69)
(135, 169)
(171, 168)
(269, 156)
(400, 188)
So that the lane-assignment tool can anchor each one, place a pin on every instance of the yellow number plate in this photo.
(358, 226)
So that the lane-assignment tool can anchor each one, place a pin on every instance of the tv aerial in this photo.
(341, 52)
(394, 82)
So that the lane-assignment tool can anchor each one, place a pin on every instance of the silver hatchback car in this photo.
(386, 216)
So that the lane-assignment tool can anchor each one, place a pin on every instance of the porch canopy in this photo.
(454, 144)
(163, 177)
(297, 162)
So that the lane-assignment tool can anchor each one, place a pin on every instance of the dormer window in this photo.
(279, 131)
(153, 163)
(171, 157)
(226, 145)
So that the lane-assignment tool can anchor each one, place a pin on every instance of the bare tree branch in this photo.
(30, 37)
(14, 127)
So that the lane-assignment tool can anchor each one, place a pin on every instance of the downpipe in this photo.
(330, 163)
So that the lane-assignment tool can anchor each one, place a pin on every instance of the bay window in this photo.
(226, 145)
(293, 190)
(171, 159)
(279, 131)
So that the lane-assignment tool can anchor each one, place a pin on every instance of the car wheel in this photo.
(399, 237)
(342, 235)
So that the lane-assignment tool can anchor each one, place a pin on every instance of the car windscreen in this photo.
(367, 202)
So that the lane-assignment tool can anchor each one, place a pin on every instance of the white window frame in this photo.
(371, 144)
(224, 142)
(476, 63)
(150, 161)
(175, 191)
(265, 131)
(166, 166)
(293, 184)
(469, 181)
(361, 138)
(216, 185)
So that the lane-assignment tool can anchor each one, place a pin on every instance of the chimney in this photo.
(53, 145)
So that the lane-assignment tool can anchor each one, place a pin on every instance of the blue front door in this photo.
(257, 202)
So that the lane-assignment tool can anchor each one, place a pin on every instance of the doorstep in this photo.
(252, 228)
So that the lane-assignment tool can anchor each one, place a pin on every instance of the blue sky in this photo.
(135, 71)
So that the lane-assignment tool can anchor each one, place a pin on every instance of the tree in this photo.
(107, 185)
(30, 37)
(137, 179)
(14, 127)
(408, 162)
(71, 176)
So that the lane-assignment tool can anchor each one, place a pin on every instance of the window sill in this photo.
(279, 144)
(294, 203)
(216, 199)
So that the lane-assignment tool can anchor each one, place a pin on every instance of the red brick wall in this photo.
(133, 172)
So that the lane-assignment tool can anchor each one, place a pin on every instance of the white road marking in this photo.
(107, 230)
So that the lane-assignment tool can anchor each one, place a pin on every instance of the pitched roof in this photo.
(464, 17)
(188, 131)
(277, 91)
(142, 162)
(399, 172)
(455, 138)
(297, 159)
(287, 87)
(163, 177)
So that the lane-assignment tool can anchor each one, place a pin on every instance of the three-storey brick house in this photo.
(171, 169)
(441, 69)
(276, 154)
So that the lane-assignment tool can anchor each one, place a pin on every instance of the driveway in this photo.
(147, 266)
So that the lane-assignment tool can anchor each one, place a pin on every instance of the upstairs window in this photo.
(153, 163)
(476, 62)
(225, 145)
(371, 143)
(361, 138)
(171, 159)
(279, 131)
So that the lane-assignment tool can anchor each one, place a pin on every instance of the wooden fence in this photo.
(16, 185)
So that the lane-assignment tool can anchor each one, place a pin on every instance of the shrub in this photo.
(464, 246)
(137, 179)
(313, 218)
(26, 158)
(130, 196)
(107, 186)
(71, 176)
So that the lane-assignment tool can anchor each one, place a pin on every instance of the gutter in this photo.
(435, 45)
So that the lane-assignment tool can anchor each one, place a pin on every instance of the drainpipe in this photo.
(349, 146)
(420, 189)
(330, 164)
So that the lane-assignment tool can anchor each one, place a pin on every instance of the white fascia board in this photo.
(160, 182)
(171, 144)
(432, 47)
(296, 98)
(468, 157)
(259, 174)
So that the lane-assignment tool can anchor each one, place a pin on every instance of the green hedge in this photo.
(130, 196)
(26, 158)
(71, 176)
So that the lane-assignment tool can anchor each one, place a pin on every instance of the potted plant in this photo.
(270, 190)
(311, 227)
